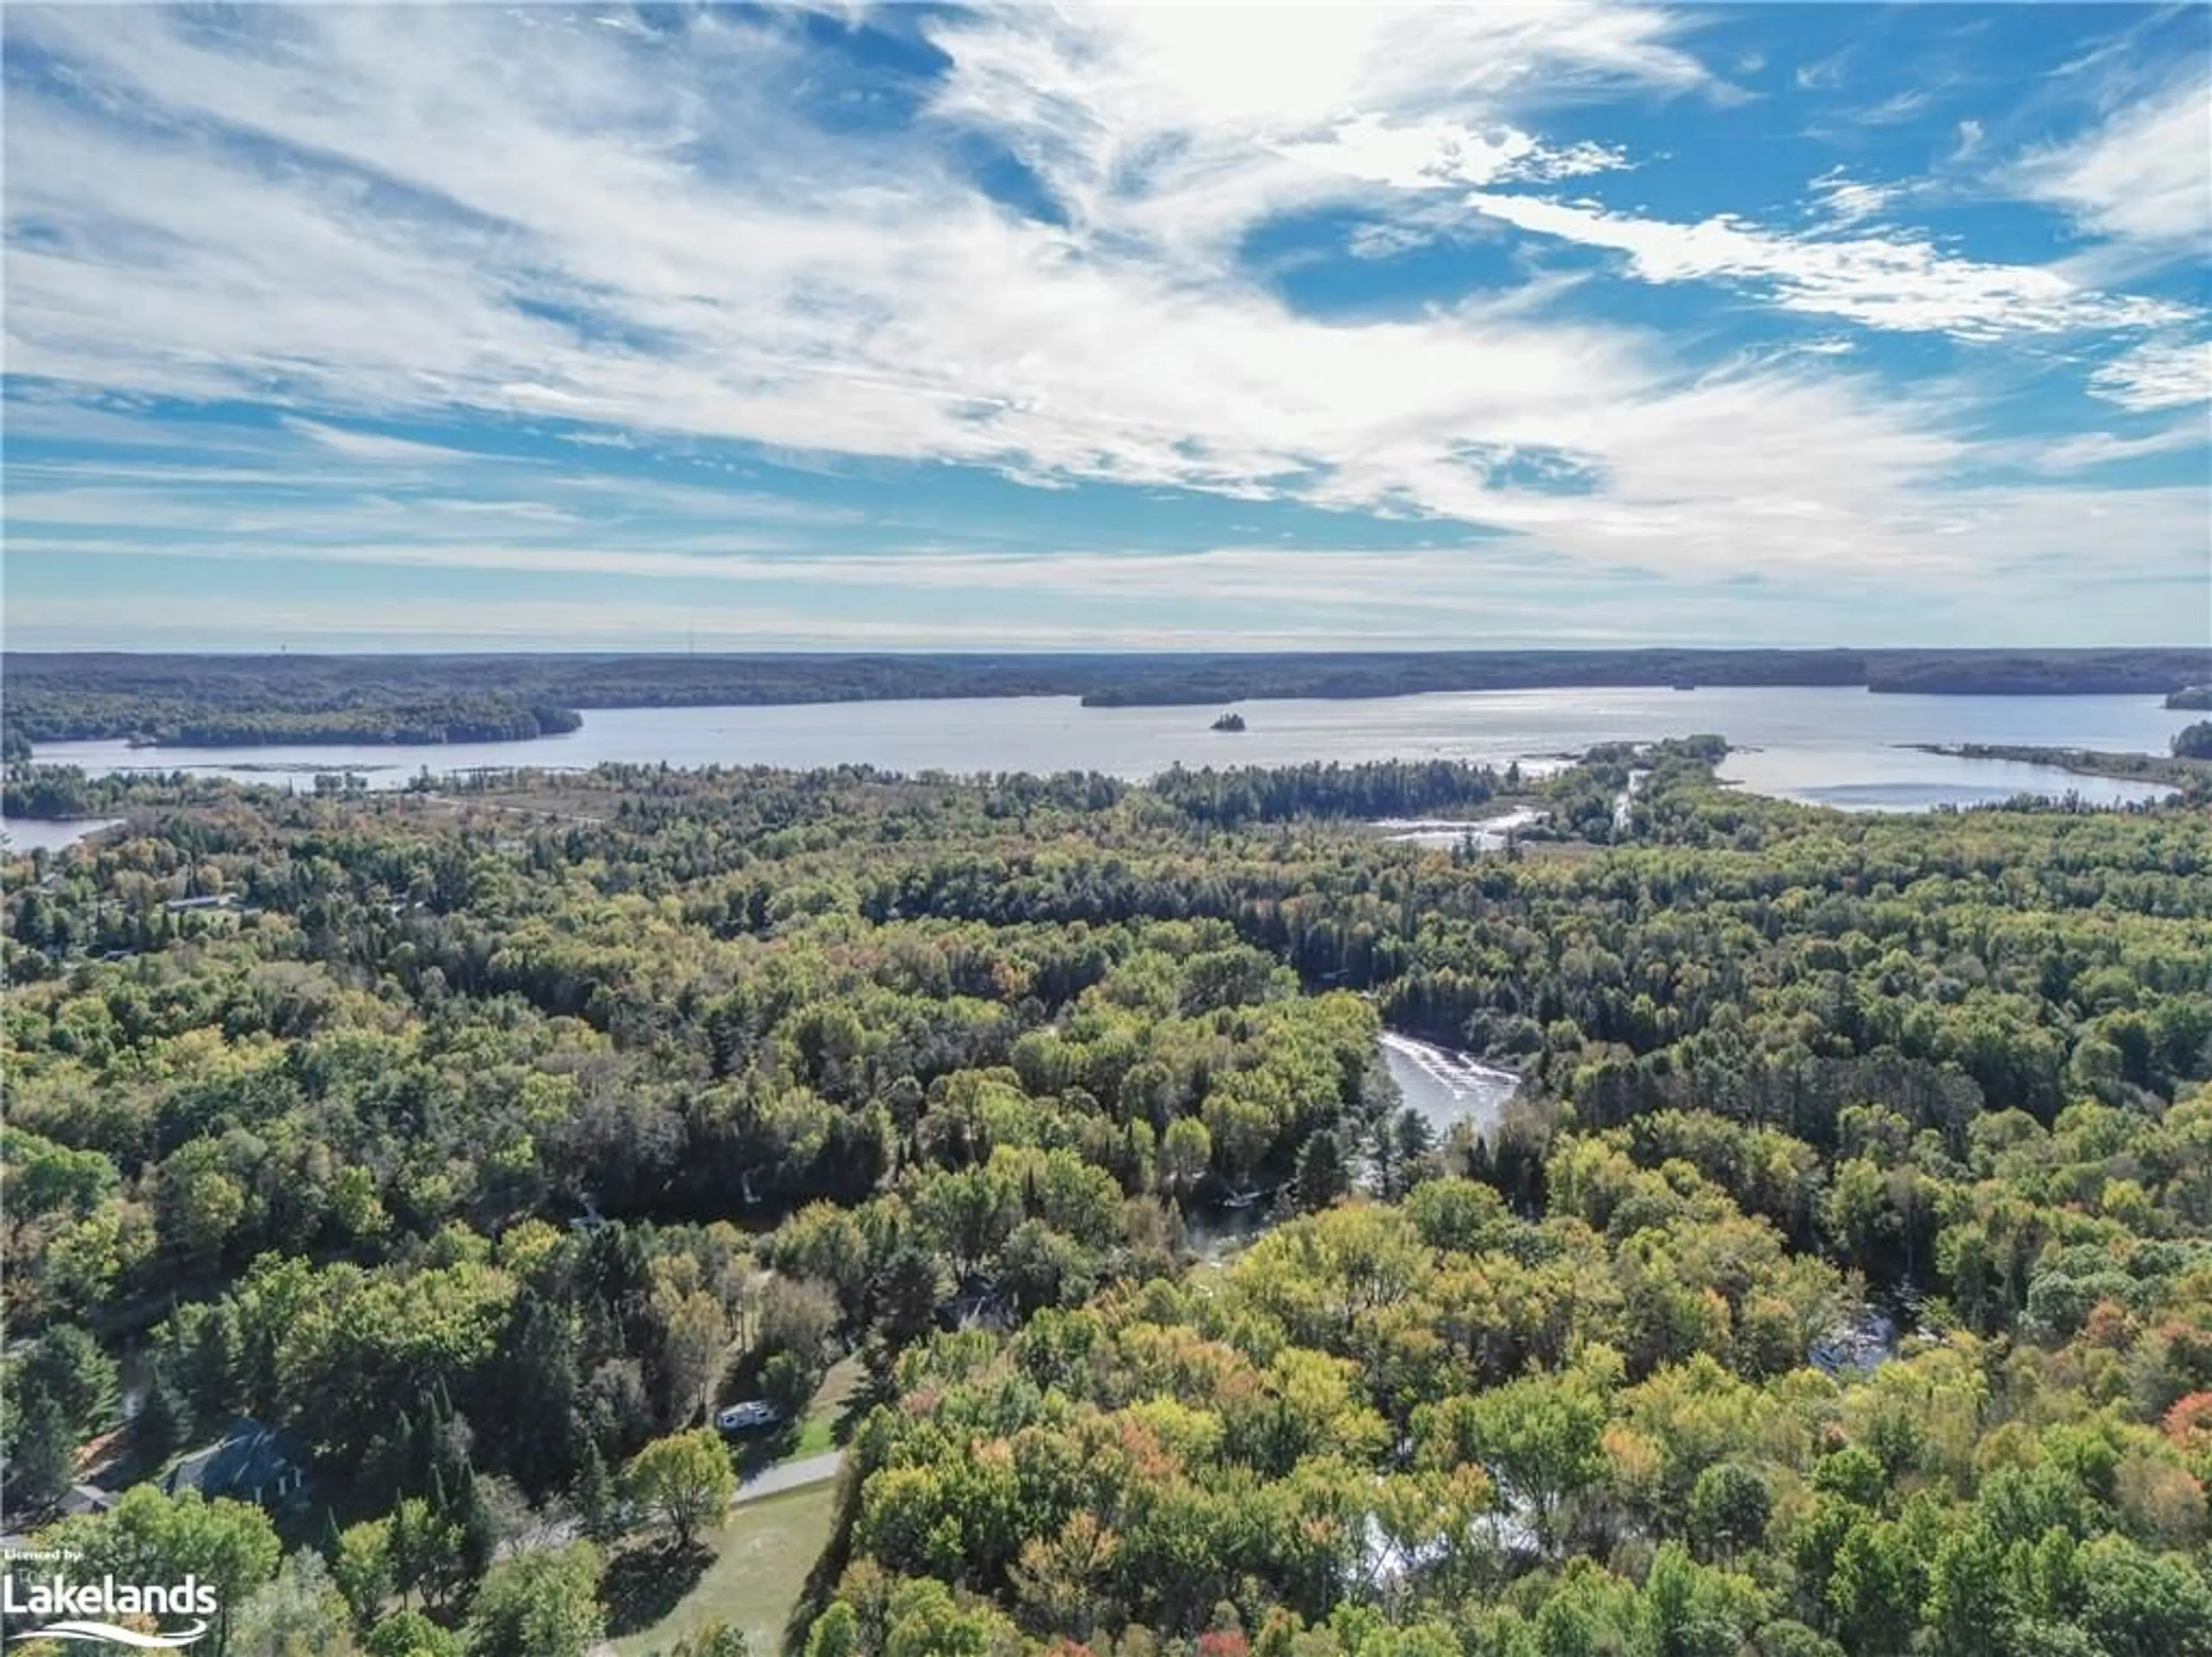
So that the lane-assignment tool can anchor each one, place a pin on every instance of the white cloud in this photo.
(1426, 155)
(1898, 107)
(858, 299)
(1844, 201)
(2097, 448)
(1823, 74)
(1899, 281)
(1425, 591)
(1184, 126)
(368, 213)
(2160, 373)
(398, 621)
(2144, 177)
(373, 446)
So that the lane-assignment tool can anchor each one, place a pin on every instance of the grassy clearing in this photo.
(762, 1556)
(821, 1428)
(818, 1431)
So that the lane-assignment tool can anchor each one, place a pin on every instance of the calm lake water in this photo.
(39, 834)
(1827, 746)
(1445, 1086)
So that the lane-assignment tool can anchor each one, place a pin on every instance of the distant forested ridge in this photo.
(1158, 679)
(2032, 672)
(219, 700)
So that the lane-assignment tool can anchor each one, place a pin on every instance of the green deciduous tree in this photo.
(715, 1639)
(411, 1633)
(1729, 1508)
(148, 1537)
(362, 1568)
(299, 1614)
(540, 1603)
(685, 1481)
(1543, 1438)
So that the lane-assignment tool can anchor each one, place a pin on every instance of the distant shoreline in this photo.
(209, 701)
(2188, 776)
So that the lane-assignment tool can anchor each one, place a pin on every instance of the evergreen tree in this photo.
(538, 1394)
(598, 1511)
(164, 1423)
(68, 1367)
(906, 1296)
(44, 1462)
(1322, 1177)
(1415, 1137)
(475, 1525)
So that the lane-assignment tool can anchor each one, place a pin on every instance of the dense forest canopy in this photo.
(485, 1138)
(242, 699)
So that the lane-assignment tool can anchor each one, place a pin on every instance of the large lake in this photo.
(1834, 746)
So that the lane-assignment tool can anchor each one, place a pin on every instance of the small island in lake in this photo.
(1229, 722)
(2191, 698)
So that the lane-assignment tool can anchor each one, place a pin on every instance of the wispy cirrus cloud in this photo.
(2160, 373)
(1842, 200)
(519, 223)
(1431, 155)
(373, 446)
(1898, 281)
(2142, 176)
(2099, 449)
(1188, 124)
(505, 286)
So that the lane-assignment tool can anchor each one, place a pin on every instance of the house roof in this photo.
(248, 1458)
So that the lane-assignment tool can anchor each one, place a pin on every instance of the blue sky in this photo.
(1279, 327)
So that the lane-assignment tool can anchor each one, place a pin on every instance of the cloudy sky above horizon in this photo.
(910, 326)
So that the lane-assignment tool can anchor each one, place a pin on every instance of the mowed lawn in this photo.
(818, 1431)
(762, 1555)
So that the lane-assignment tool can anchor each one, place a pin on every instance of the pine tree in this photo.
(44, 1463)
(541, 1390)
(478, 1528)
(164, 1424)
(1481, 1163)
(1323, 1176)
(1177, 1229)
(593, 1495)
